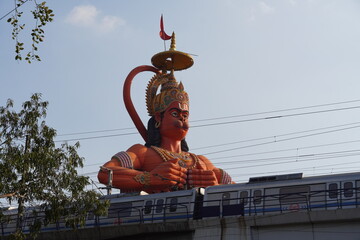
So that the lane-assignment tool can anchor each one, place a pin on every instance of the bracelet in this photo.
(225, 177)
(143, 178)
(102, 168)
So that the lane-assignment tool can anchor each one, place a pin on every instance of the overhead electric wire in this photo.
(226, 117)
(286, 150)
(295, 157)
(103, 136)
(317, 129)
(275, 136)
(306, 171)
(276, 140)
(204, 125)
(283, 160)
(252, 154)
(13, 10)
(287, 171)
(281, 110)
(313, 158)
(281, 140)
(275, 117)
(97, 131)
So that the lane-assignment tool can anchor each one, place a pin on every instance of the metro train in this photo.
(259, 196)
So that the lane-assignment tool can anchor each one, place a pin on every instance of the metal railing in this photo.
(246, 206)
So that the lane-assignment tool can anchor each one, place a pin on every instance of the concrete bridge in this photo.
(314, 225)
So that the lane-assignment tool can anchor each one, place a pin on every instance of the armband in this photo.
(102, 168)
(143, 178)
(124, 159)
(225, 177)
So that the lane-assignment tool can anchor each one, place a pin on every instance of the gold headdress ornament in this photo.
(170, 90)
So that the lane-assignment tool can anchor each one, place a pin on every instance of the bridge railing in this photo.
(259, 205)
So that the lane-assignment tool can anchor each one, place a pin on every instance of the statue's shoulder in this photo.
(138, 153)
(138, 149)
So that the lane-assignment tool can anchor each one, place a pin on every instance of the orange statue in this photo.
(163, 163)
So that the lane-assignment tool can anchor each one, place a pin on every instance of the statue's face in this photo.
(175, 121)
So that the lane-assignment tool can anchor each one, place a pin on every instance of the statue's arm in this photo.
(129, 176)
(222, 177)
(123, 178)
(121, 172)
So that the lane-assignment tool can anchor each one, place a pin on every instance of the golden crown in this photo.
(170, 92)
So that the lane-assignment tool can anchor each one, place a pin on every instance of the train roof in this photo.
(134, 197)
(283, 180)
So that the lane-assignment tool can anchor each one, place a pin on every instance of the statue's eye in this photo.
(174, 114)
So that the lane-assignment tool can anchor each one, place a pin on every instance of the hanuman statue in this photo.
(164, 163)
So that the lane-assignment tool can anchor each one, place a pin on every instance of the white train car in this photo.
(8, 226)
(124, 209)
(149, 208)
(282, 193)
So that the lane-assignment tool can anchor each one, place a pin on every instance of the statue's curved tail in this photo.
(127, 97)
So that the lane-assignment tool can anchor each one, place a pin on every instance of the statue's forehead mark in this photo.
(183, 106)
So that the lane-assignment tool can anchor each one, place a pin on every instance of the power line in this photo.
(286, 150)
(210, 124)
(97, 131)
(13, 10)
(225, 117)
(274, 111)
(294, 133)
(275, 136)
(322, 167)
(104, 136)
(298, 158)
(284, 160)
(312, 158)
(281, 140)
(276, 117)
(252, 154)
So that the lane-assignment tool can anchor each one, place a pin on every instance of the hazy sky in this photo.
(253, 59)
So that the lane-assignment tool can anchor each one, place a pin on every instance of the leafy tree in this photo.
(42, 15)
(34, 172)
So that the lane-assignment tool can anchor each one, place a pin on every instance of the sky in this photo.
(274, 88)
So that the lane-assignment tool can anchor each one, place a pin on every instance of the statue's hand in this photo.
(201, 178)
(169, 175)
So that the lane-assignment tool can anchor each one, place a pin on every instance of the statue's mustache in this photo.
(183, 125)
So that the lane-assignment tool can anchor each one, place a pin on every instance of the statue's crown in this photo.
(170, 92)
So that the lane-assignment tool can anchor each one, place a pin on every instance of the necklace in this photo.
(184, 157)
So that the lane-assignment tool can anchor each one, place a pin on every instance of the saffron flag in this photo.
(162, 33)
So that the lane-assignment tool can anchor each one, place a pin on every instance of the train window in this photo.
(244, 195)
(257, 197)
(333, 190)
(148, 207)
(159, 205)
(348, 189)
(173, 204)
(90, 215)
(294, 194)
(226, 198)
(117, 210)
